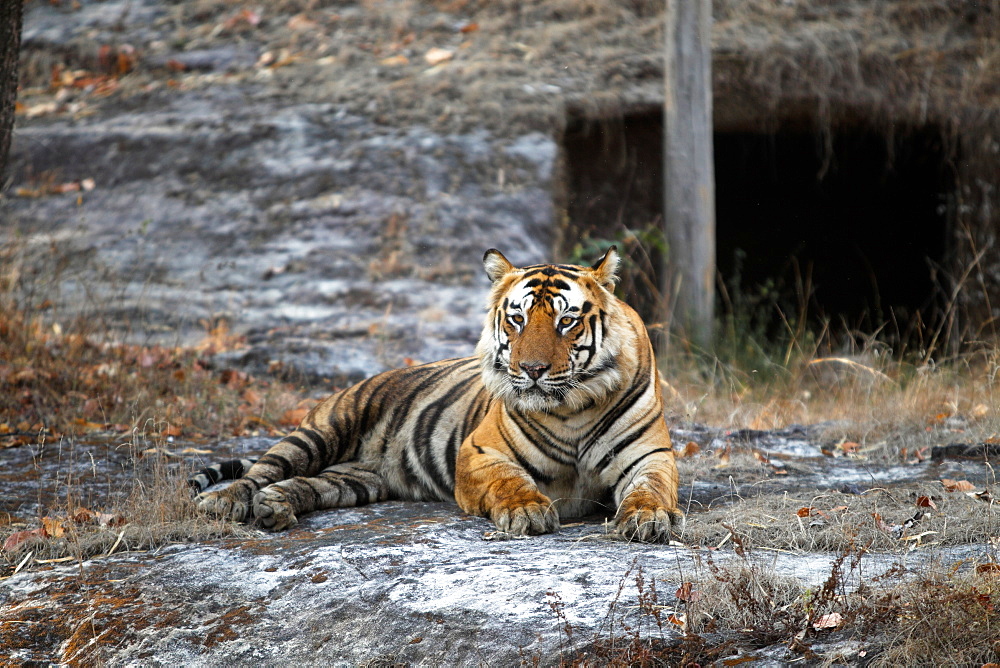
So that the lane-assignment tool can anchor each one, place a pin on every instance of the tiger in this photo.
(558, 414)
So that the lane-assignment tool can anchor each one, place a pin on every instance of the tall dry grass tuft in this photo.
(67, 374)
(774, 364)
(941, 616)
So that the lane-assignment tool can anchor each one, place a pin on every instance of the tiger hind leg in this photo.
(278, 506)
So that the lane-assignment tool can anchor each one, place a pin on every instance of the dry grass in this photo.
(67, 380)
(743, 611)
(888, 60)
(940, 616)
(880, 519)
(69, 375)
(155, 508)
(878, 396)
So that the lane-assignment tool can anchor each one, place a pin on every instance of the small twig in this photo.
(23, 562)
(121, 535)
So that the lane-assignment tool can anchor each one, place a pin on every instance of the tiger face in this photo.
(549, 338)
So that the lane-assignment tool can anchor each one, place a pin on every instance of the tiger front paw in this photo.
(527, 515)
(231, 503)
(273, 510)
(648, 521)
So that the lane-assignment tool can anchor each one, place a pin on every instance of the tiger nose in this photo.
(535, 371)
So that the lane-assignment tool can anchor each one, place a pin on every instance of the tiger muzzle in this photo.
(535, 371)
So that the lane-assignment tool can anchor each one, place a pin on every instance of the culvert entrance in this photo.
(861, 219)
(855, 218)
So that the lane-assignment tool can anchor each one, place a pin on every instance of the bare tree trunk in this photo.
(689, 178)
(11, 15)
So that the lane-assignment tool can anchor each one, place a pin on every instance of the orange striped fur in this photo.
(559, 414)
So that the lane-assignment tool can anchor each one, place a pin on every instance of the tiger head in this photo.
(553, 333)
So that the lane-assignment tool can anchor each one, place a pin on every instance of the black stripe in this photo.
(566, 270)
(317, 495)
(365, 425)
(629, 440)
(404, 405)
(622, 406)
(277, 460)
(590, 348)
(638, 459)
(322, 447)
(525, 464)
(451, 455)
(477, 411)
(361, 495)
(304, 447)
(427, 423)
(538, 435)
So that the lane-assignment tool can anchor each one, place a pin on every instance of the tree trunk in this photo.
(11, 14)
(689, 179)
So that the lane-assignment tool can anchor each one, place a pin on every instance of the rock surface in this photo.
(409, 583)
(333, 245)
(389, 584)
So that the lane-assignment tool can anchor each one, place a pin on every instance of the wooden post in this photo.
(689, 178)
(10, 43)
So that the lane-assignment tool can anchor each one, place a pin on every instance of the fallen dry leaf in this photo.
(82, 515)
(110, 519)
(244, 19)
(925, 502)
(849, 447)
(53, 527)
(723, 456)
(992, 568)
(293, 417)
(19, 537)
(687, 593)
(982, 496)
(690, 449)
(436, 56)
(301, 22)
(957, 485)
(828, 621)
(82, 425)
(888, 528)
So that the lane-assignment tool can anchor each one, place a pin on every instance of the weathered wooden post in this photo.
(10, 42)
(689, 179)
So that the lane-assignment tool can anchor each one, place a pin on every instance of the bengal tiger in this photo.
(559, 414)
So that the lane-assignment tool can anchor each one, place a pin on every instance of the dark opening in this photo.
(861, 219)
(857, 217)
(614, 194)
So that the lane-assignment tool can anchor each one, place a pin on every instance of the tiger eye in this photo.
(566, 321)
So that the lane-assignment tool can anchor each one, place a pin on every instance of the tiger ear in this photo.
(606, 269)
(497, 266)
